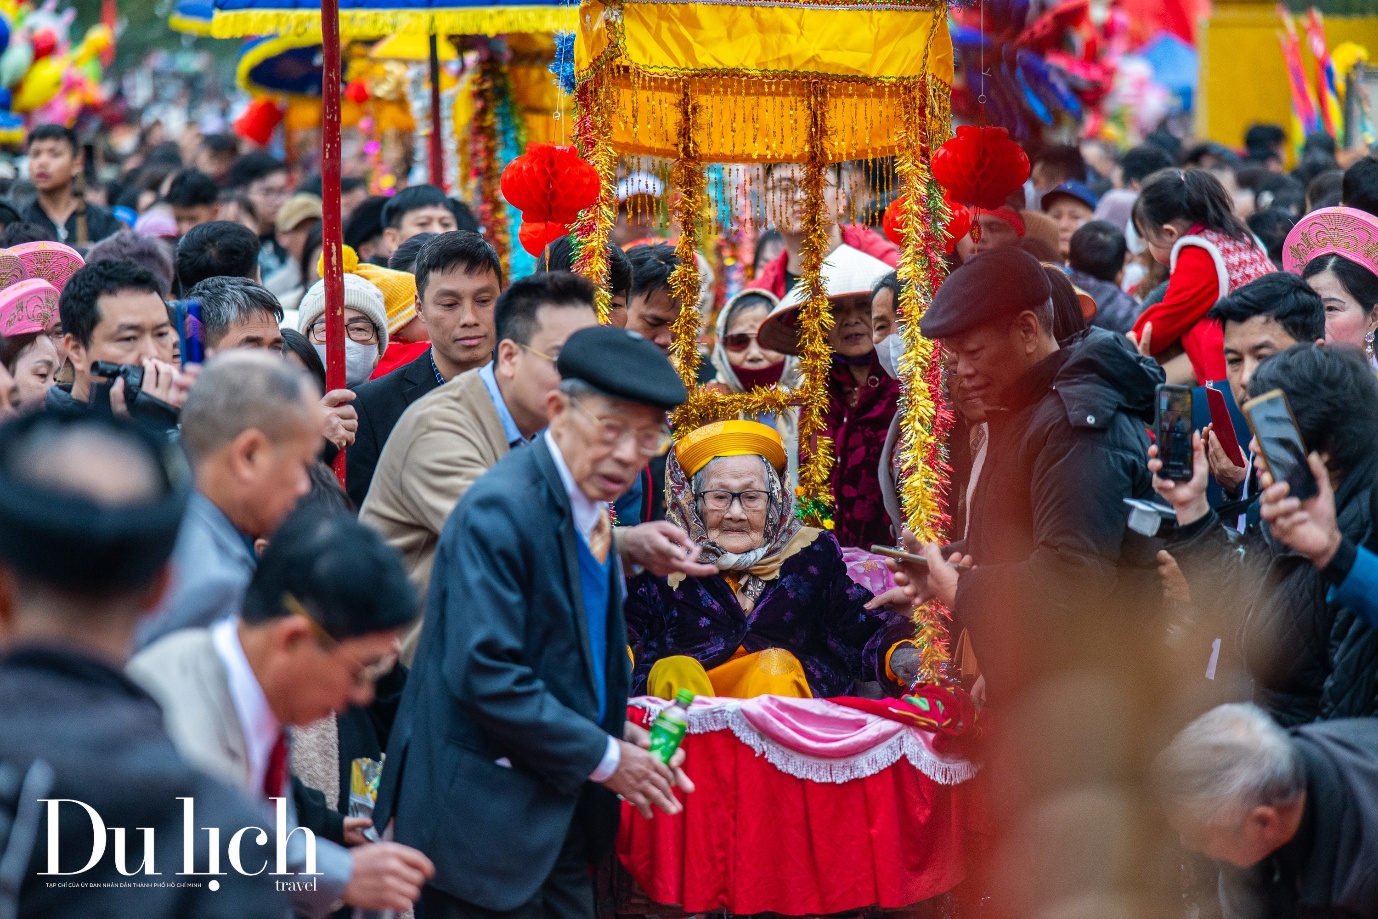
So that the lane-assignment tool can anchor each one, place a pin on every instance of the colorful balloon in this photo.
(44, 43)
(15, 62)
(41, 84)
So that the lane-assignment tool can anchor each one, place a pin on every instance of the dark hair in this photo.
(1193, 195)
(748, 299)
(349, 580)
(12, 346)
(1360, 187)
(251, 167)
(1223, 155)
(1281, 191)
(239, 200)
(890, 282)
(221, 144)
(1312, 165)
(8, 213)
(225, 301)
(651, 267)
(1358, 282)
(311, 185)
(315, 241)
(128, 246)
(460, 249)
(1142, 161)
(78, 305)
(559, 256)
(217, 249)
(1165, 139)
(54, 132)
(1067, 318)
(365, 223)
(16, 234)
(1286, 298)
(464, 218)
(1064, 159)
(1333, 395)
(515, 315)
(410, 199)
(298, 344)
(1272, 226)
(404, 259)
(190, 188)
(1098, 248)
(326, 496)
(1325, 190)
(1262, 140)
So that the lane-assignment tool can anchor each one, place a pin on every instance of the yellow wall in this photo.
(1243, 79)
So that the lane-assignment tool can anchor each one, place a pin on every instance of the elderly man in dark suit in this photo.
(511, 745)
(458, 279)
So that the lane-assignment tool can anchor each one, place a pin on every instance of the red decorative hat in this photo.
(29, 306)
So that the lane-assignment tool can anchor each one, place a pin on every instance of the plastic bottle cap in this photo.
(684, 697)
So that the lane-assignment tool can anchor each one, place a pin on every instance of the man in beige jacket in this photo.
(456, 433)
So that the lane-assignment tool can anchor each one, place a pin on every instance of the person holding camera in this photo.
(1310, 657)
(120, 341)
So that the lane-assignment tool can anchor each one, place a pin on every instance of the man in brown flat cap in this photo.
(1067, 444)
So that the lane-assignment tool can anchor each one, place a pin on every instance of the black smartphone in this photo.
(1172, 424)
(1279, 441)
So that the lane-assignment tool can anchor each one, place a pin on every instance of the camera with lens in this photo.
(142, 407)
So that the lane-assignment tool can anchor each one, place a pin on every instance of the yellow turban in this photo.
(398, 287)
(729, 438)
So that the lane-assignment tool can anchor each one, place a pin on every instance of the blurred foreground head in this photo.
(89, 512)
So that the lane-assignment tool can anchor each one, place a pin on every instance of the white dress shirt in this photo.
(261, 727)
(586, 513)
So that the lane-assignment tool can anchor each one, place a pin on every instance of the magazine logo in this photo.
(117, 839)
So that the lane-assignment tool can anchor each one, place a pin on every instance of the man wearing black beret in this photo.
(511, 741)
(1067, 444)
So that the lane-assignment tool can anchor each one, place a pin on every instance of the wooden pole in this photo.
(437, 156)
(332, 231)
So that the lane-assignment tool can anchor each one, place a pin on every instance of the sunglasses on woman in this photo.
(738, 341)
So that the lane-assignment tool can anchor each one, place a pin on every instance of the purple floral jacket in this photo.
(812, 609)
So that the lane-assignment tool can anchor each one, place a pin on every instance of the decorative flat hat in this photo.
(11, 269)
(729, 438)
(26, 307)
(53, 262)
(1342, 231)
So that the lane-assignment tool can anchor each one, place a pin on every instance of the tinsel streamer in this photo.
(419, 94)
(563, 64)
(492, 208)
(449, 141)
(685, 285)
(925, 419)
(593, 135)
(815, 320)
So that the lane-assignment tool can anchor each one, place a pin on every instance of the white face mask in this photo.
(888, 351)
(359, 362)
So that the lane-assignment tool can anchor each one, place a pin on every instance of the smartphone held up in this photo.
(1172, 427)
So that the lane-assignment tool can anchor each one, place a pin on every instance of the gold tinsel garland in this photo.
(924, 417)
(685, 285)
(591, 230)
(487, 162)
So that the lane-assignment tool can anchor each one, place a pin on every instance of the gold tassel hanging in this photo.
(685, 286)
(593, 134)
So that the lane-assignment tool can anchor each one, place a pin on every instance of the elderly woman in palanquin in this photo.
(781, 617)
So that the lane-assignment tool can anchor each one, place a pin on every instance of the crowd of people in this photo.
(194, 607)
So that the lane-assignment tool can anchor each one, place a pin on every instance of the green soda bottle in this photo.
(669, 728)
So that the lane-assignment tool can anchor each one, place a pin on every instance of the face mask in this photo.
(359, 362)
(888, 353)
(760, 376)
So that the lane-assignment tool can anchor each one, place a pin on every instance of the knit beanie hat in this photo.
(398, 287)
(358, 294)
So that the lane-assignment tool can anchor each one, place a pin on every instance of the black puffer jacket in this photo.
(1048, 519)
(1308, 658)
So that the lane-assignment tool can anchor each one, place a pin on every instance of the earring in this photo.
(1368, 345)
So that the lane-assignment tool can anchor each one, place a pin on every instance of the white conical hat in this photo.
(847, 271)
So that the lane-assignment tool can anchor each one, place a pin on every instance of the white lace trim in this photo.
(834, 771)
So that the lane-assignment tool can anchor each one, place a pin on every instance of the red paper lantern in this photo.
(958, 222)
(549, 183)
(536, 236)
(259, 121)
(980, 167)
(356, 91)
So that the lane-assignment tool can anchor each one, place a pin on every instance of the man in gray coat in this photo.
(1291, 816)
(252, 426)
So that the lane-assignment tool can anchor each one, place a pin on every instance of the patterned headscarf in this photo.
(752, 568)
